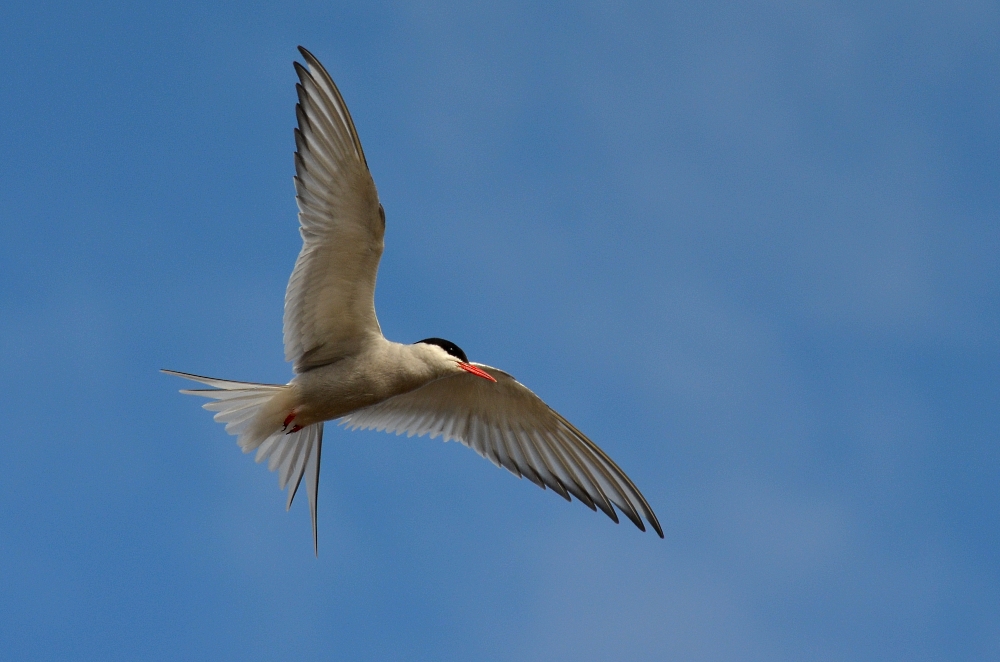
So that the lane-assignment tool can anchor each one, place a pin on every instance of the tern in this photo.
(346, 370)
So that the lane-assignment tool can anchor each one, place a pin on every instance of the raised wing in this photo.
(511, 426)
(330, 301)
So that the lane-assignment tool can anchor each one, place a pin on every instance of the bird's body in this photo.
(347, 371)
(380, 370)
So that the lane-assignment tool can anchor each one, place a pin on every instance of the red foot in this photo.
(288, 419)
(295, 428)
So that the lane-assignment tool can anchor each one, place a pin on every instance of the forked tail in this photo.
(253, 412)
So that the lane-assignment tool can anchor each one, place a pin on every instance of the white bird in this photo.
(347, 371)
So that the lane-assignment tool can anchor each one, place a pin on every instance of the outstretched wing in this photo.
(330, 301)
(513, 428)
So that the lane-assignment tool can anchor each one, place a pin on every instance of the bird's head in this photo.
(451, 358)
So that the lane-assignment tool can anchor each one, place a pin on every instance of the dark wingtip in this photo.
(301, 72)
(310, 58)
(651, 518)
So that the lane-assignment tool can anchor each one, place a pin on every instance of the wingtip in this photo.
(656, 527)
(653, 522)
(641, 525)
(311, 59)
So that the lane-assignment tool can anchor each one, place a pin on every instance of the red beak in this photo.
(478, 372)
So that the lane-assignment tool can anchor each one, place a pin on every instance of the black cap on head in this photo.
(448, 346)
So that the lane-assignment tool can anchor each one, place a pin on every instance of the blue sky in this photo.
(751, 249)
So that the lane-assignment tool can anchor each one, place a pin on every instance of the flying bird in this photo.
(345, 369)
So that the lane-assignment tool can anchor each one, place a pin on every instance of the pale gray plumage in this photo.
(346, 370)
(513, 428)
(330, 300)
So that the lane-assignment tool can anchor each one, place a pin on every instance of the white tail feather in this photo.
(243, 407)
